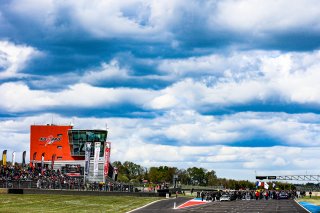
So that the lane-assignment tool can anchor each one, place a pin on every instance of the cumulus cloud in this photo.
(130, 142)
(106, 72)
(263, 17)
(201, 59)
(261, 22)
(18, 97)
(243, 77)
(14, 58)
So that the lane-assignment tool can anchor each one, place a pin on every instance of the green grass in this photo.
(70, 203)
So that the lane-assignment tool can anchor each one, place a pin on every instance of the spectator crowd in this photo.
(33, 177)
(250, 194)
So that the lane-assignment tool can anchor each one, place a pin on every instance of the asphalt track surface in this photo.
(241, 206)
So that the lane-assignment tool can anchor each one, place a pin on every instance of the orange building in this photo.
(64, 147)
(50, 141)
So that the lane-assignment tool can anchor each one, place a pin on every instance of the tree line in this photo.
(134, 173)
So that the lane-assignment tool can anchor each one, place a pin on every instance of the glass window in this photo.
(90, 136)
(75, 135)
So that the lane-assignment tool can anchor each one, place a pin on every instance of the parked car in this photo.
(225, 197)
(283, 195)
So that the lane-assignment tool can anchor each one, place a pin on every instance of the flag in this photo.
(258, 183)
(4, 157)
(266, 186)
(262, 184)
(273, 185)
(13, 158)
(97, 146)
(42, 160)
(107, 158)
(34, 158)
(87, 158)
(115, 174)
(52, 160)
(24, 158)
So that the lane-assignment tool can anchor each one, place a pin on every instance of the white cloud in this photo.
(106, 72)
(18, 97)
(260, 18)
(130, 141)
(243, 77)
(13, 58)
(167, 20)
(101, 19)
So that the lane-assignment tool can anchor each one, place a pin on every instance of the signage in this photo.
(50, 139)
(73, 170)
(107, 158)
(97, 146)
(261, 177)
(87, 158)
(272, 177)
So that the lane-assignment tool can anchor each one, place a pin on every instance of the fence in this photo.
(75, 184)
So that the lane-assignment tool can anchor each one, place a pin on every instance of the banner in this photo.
(24, 158)
(52, 160)
(13, 158)
(42, 161)
(87, 158)
(266, 185)
(33, 159)
(97, 146)
(4, 157)
(107, 151)
(115, 174)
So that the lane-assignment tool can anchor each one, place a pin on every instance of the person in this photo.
(202, 195)
(192, 191)
(257, 195)
(310, 193)
(176, 194)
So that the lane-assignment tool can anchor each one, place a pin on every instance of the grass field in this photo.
(68, 203)
(314, 200)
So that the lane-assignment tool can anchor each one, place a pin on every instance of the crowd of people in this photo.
(35, 177)
(250, 194)
(41, 178)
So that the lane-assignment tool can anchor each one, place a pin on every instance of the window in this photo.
(59, 147)
(59, 158)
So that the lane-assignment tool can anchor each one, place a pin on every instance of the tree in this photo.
(197, 175)
(211, 178)
(161, 174)
(183, 176)
(129, 171)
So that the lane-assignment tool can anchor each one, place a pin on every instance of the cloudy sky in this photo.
(228, 85)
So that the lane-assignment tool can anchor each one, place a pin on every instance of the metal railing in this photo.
(66, 185)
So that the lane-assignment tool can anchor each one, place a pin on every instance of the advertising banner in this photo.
(4, 157)
(42, 161)
(115, 174)
(24, 158)
(107, 151)
(52, 160)
(87, 158)
(72, 170)
(13, 158)
(97, 146)
(33, 159)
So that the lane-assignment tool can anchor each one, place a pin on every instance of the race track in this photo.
(241, 206)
